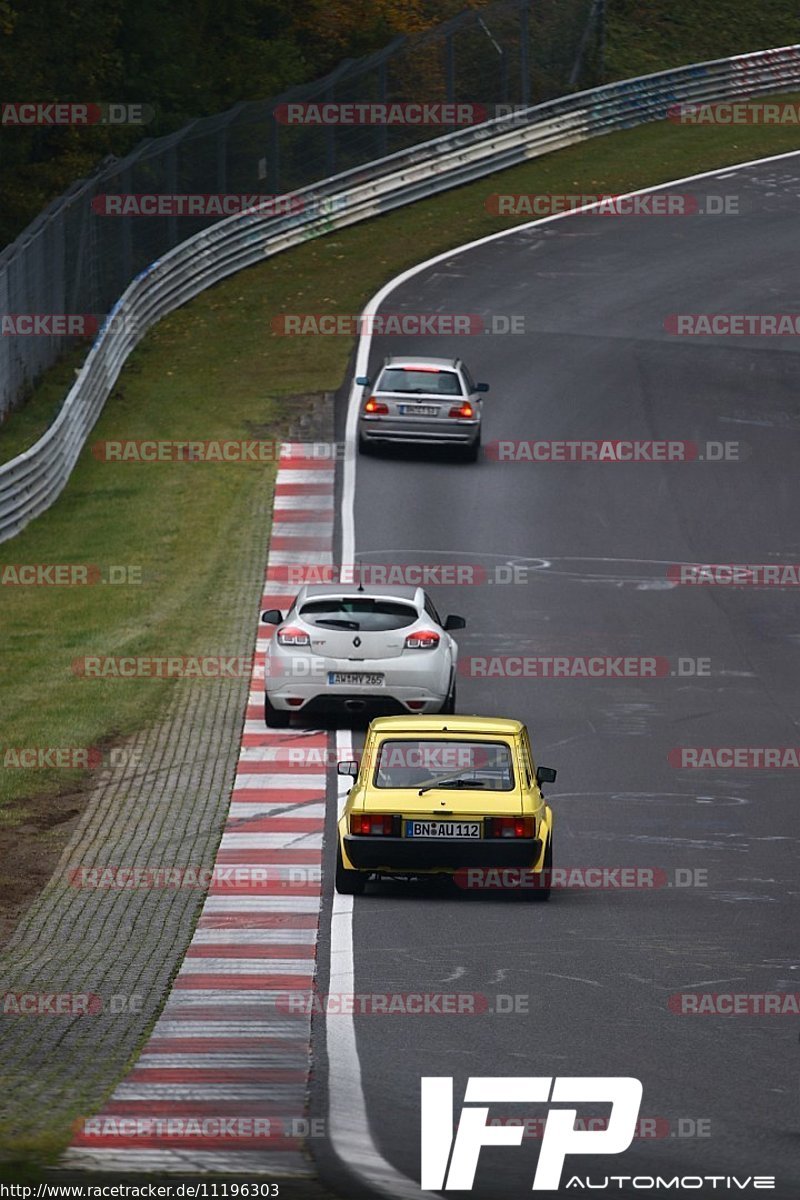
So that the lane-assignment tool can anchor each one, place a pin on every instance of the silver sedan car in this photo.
(423, 402)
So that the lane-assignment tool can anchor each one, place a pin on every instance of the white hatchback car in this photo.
(382, 650)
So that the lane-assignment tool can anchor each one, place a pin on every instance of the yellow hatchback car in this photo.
(447, 795)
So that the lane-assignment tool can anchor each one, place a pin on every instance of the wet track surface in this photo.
(588, 977)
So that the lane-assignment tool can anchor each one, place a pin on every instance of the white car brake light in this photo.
(290, 635)
(424, 639)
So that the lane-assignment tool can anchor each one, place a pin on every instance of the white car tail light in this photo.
(424, 639)
(290, 635)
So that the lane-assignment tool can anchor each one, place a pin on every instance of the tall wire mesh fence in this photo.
(78, 256)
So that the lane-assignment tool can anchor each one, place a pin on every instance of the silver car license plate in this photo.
(418, 410)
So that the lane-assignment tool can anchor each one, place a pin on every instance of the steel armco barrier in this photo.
(31, 482)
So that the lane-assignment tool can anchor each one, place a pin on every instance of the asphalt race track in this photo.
(592, 542)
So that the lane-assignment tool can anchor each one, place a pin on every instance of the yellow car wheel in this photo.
(347, 883)
(543, 893)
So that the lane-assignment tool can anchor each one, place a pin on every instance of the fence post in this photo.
(450, 69)
(172, 187)
(330, 139)
(8, 393)
(597, 9)
(601, 40)
(127, 232)
(222, 159)
(524, 53)
(383, 89)
(274, 157)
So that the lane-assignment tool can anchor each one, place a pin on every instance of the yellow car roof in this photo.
(442, 723)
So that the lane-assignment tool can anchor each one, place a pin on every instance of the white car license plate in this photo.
(443, 829)
(418, 410)
(355, 679)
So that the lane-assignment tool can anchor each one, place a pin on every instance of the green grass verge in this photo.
(215, 369)
(643, 36)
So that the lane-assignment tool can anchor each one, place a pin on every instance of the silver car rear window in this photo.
(401, 379)
(359, 613)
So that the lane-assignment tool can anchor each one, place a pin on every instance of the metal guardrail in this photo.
(31, 482)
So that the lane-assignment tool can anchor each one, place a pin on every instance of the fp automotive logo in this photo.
(441, 1151)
